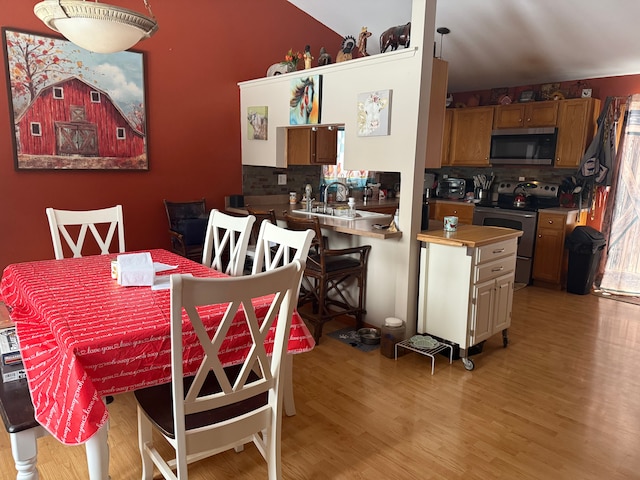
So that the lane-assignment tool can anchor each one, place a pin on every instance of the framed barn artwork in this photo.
(374, 113)
(72, 109)
(305, 100)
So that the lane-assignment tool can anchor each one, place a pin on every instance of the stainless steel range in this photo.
(517, 207)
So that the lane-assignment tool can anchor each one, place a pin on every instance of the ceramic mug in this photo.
(450, 224)
(293, 198)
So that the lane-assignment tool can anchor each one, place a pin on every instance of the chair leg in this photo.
(145, 438)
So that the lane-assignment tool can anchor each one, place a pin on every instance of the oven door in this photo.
(518, 220)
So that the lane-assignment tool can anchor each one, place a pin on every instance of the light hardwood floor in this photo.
(561, 402)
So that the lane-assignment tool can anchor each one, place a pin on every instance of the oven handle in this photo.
(505, 212)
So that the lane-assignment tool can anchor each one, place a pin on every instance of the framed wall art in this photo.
(72, 109)
(257, 123)
(374, 113)
(305, 100)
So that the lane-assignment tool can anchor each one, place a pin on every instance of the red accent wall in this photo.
(193, 64)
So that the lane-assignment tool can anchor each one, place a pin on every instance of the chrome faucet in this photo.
(343, 185)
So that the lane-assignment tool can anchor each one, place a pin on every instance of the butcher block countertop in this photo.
(469, 236)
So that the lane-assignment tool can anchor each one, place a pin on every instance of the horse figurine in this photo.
(394, 36)
(301, 104)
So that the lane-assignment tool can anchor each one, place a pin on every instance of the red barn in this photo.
(72, 117)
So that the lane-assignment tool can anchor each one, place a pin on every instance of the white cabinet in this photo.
(466, 293)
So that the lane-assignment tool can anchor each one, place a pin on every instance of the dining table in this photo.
(83, 337)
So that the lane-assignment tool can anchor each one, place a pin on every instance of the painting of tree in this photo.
(74, 109)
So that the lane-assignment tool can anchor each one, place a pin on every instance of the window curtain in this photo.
(621, 224)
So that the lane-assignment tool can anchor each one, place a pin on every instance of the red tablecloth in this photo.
(83, 336)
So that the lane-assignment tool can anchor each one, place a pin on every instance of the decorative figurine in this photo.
(307, 57)
(346, 49)
(394, 36)
(324, 58)
(362, 42)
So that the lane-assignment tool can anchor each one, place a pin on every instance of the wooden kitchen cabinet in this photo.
(312, 145)
(576, 126)
(446, 138)
(550, 257)
(437, 114)
(440, 209)
(470, 142)
(526, 115)
(466, 293)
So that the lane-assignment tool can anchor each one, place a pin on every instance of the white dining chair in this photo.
(219, 407)
(102, 223)
(278, 246)
(225, 243)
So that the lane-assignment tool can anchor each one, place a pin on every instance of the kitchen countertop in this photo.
(363, 228)
(469, 236)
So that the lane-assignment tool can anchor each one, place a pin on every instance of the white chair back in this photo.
(278, 246)
(59, 220)
(222, 407)
(225, 243)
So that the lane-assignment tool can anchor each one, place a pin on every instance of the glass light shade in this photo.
(97, 27)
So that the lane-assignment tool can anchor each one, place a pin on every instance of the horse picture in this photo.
(395, 36)
(304, 106)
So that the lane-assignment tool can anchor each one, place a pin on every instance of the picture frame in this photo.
(374, 113)
(526, 96)
(497, 94)
(258, 123)
(547, 90)
(305, 100)
(74, 109)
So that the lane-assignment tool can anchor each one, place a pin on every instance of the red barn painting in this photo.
(74, 118)
(73, 109)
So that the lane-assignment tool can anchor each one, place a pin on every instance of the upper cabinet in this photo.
(471, 136)
(316, 145)
(576, 126)
(526, 115)
(437, 121)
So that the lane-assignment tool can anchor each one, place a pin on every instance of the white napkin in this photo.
(135, 269)
(162, 282)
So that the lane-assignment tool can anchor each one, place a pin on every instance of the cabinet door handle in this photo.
(550, 222)
(500, 250)
(499, 269)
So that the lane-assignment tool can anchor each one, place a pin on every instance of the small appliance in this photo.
(453, 188)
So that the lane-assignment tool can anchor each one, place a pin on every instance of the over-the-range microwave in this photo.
(523, 146)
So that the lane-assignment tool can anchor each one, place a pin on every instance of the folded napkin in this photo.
(135, 269)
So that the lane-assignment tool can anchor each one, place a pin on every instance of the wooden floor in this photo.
(561, 402)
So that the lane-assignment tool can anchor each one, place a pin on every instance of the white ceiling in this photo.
(505, 43)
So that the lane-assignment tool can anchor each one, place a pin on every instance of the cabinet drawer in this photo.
(494, 269)
(554, 221)
(496, 250)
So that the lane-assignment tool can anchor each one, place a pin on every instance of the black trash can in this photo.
(585, 246)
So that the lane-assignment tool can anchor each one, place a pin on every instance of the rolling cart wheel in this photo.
(468, 363)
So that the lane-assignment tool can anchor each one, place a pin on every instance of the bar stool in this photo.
(327, 275)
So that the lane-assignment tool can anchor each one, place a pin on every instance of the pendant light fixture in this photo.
(97, 27)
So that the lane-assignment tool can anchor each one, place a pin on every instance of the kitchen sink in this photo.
(360, 215)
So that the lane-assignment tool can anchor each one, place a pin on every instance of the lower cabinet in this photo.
(441, 209)
(550, 258)
(465, 294)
